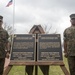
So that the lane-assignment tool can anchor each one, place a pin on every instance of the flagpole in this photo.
(13, 15)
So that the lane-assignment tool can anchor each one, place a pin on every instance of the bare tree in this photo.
(9, 28)
(48, 28)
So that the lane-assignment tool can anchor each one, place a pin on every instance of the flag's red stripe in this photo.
(9, 4)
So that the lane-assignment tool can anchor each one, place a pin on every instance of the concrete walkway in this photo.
(7, 61)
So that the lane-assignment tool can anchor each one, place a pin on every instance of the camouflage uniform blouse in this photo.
(3, 40)
(69, 36)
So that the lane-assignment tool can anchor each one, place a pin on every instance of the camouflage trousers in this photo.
(44, 69)
(2, 61)
(71, 62)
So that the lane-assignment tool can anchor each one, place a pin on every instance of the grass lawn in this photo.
(53, 70)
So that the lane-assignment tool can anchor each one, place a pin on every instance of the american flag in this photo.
(9, 3)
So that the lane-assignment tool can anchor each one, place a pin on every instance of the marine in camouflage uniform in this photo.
(3, 45)
(69, 45)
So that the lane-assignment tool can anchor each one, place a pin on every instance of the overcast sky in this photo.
(33, 12)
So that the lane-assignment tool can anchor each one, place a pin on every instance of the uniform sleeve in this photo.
(65, 36)
(7, 36)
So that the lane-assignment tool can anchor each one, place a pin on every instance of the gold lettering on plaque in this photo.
(49, 38)
(22, 45)
(45, 45)
(49, 55)
(24, 38)
(22, 54)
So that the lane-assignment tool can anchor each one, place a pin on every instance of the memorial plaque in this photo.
(49, 47)
(23, 47)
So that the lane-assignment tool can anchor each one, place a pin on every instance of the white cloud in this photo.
(29, 12)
